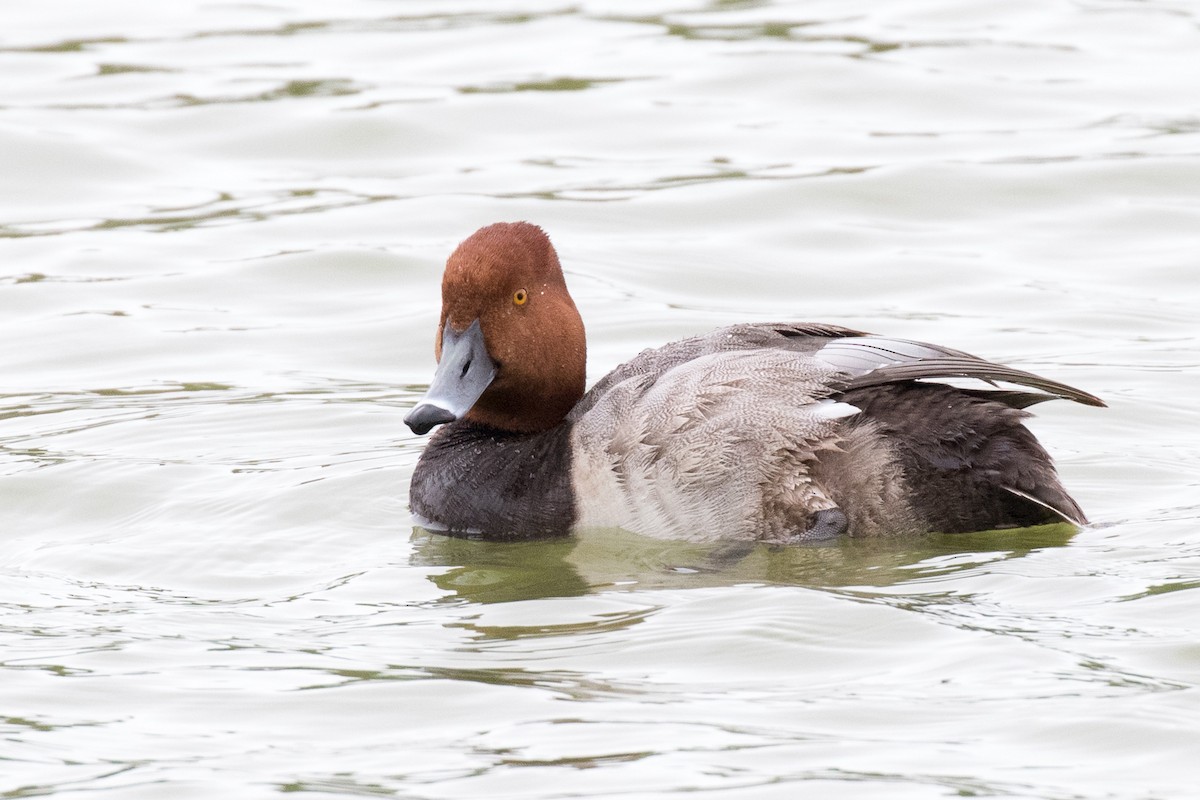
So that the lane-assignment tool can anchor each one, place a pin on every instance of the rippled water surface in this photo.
(222, 227)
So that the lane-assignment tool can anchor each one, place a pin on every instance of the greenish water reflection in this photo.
(606, 559)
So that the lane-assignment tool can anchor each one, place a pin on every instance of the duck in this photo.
(782, 433)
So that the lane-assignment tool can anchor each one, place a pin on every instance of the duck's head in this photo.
(510, 346)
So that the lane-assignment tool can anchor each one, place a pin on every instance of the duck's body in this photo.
(787, 432)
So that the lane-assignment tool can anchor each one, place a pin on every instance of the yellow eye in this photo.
(520, 296)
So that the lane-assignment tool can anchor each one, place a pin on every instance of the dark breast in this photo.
(473, 480)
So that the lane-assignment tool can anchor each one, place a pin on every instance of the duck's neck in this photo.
(473, 479)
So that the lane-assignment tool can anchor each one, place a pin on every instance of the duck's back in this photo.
(784, 432)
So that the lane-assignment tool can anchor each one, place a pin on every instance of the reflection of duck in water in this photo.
(611, 559)
(785, 432)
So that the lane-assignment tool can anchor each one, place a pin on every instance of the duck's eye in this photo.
(520, 296)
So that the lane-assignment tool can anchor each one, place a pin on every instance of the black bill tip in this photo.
(426, 416)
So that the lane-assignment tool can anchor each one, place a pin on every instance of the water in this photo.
(223, 227)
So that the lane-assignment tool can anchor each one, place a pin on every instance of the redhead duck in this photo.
(785, 432)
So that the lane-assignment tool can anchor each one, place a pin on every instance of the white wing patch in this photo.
(832, 409)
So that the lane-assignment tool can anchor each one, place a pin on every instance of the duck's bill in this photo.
(464, 372)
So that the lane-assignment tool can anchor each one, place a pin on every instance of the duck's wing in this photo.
(874, 361)
(859, 359)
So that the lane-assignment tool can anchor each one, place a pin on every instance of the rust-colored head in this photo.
(508, 277)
